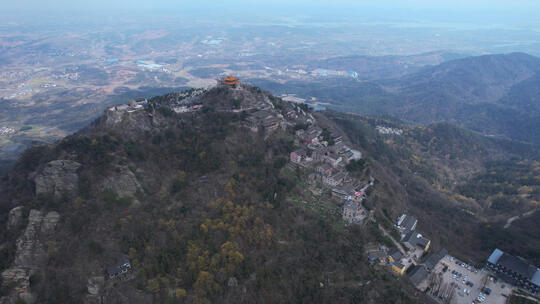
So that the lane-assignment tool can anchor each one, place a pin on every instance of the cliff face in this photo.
(58, 178)
(32, 251)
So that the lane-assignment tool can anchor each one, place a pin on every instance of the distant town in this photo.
(5, 131)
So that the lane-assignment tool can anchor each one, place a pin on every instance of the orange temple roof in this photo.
(230, 80)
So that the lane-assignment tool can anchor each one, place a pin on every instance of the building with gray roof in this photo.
(418, 275)
(414, 239)
(395, 256)
(434, 259)
(353, 212)
(406, 223)
(514, 270)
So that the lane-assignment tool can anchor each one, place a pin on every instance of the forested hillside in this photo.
(463, 186)
(195, 201)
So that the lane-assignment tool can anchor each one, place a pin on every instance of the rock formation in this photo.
(124, 183)
(58, 178)
(14, 217)
(31, 254)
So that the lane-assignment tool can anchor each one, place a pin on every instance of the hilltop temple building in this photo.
(230, 80)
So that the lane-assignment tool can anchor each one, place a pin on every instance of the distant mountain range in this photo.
(492, 94)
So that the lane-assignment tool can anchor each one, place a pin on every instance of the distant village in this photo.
(389, 131)
(5, 131)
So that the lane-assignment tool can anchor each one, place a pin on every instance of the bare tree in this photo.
(451, 295)
(484, 281)
(431, 280)
(442, 290)
(448, 288)
(438, 282)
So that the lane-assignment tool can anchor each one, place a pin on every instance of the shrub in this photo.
(503, 204)
(34, 280)
(302, 126)
(6, 256)
(134, 150)
(165, 111)
(356, 165)
(280, 163)
(111, 199)
(95, 248)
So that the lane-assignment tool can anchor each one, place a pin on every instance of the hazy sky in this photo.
(508, 6)
(469, 10)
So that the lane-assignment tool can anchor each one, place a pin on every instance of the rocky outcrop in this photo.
(94, 288)
(31, 254)
(95, 284)
(129, 121)
(58, 178)
(14, 218)
(124, 183)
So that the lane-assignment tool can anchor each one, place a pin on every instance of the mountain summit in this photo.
(232, 195)
(183, 198)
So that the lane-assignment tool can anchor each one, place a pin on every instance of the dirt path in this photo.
(398, 245)
(514, 218)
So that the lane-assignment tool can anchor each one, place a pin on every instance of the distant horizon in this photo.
(520, 12)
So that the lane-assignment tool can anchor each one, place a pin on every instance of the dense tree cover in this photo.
(301, 126)
(356, 165)
(113, 200)
(449, 177)
(327, 137)
(6, 255)
(505, 186)
(213, 209)
(95, 151)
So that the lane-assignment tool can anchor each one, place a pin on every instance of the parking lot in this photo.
(468, 283)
